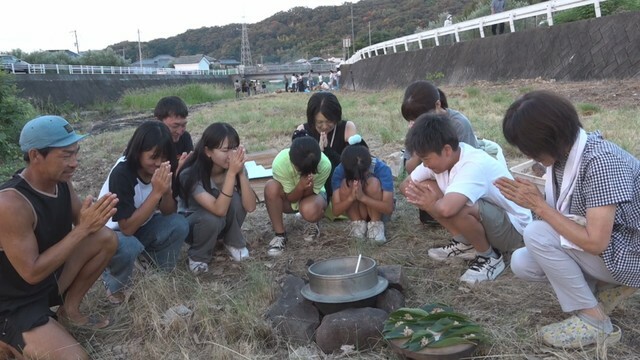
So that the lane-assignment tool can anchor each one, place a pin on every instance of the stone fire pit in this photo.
(338, 306)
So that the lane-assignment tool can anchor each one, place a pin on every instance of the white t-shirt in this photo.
(473, 176)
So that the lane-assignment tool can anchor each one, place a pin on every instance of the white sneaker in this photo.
(198, 267)
(358, 229)
(483, 269)
(237, 254)
(375, 232)
(311, 231)
(454, 249)
(276, 245)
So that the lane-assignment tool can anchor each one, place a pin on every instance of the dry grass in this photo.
(228, 304)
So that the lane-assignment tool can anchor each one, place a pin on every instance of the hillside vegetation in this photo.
(304, 32)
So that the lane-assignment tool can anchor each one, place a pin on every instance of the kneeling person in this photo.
(299, 174)
(53, 246)
(363, 190)
(455, 185)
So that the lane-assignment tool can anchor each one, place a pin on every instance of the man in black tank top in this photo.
(53, 246)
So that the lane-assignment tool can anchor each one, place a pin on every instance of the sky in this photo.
(54, 25)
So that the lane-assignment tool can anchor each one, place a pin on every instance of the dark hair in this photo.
(148, 136)
(170, 106)
(541, 123)
(356, 161)
(201, 165)
(326, 103)
(299, 133)
(305, 155)
(420, 97)
(44, 152)
(430, 133)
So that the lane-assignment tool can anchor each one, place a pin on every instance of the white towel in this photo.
(569, 176)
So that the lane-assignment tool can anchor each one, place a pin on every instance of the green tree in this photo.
(14, 113)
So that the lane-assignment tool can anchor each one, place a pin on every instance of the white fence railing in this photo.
(545, 8)
(116, 70)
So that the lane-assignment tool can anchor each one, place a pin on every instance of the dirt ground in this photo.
(509, 311)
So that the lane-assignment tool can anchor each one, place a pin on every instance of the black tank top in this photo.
(53, 220)
(334, 150)
(336, 144)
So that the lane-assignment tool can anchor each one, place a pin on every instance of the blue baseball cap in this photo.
(48, 131)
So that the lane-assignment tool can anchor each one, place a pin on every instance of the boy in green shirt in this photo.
(299, 174)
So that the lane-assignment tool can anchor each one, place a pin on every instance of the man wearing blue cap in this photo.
(53, 246)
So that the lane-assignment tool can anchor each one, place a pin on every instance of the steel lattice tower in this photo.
(245, 54)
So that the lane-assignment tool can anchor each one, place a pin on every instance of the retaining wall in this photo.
(602, 48)
(83, 90)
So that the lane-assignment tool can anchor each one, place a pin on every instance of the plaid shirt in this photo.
(609, 175)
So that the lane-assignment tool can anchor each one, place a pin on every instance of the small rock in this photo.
(361, 328)
(395, 275)
(390, 300)
(175, 313)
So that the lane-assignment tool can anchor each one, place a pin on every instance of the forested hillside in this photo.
(303, 32)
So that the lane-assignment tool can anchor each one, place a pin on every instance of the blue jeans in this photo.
(161, 237)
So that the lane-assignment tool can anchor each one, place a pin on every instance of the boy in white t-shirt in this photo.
(454, 184)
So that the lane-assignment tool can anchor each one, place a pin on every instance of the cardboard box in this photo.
(523, 171)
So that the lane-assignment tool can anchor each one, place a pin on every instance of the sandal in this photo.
(574, 333)
(94, 322)
(116, 298)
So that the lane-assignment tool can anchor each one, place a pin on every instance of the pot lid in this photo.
(335, 299)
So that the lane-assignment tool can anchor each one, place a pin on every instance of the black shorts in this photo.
(36, 313)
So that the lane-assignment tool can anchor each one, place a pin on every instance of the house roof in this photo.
(191, 59)
(164, 57)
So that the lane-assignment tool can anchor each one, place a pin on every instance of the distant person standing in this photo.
(294, 83)
(448, 22)
(497, 6)
(286, 83)
(310, 83)
(332, 79)
(338, 76)
(237, 87)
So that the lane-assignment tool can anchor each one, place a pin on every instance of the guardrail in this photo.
(545, 8)
(116, 70)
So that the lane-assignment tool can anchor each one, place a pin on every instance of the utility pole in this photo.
(75, 33)
(353, 37)
(139, 49)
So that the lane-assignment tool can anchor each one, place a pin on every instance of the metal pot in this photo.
(336, 280)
